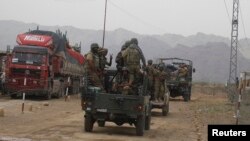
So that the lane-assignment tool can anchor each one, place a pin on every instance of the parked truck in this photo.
(43, 63)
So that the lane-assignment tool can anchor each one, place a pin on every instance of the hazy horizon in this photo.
(149, 17)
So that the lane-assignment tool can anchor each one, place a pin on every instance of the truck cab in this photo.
(43, 63)
(28, 70)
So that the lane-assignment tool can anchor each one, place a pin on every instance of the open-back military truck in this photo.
(179, 86)
(112, 106)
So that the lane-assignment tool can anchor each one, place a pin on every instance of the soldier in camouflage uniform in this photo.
(122, 84)
(150, 71)
(103, 65)
(182, 71)
(132, 57)
(93, 66)
(119, 60)
(159, 83)
(103, 59)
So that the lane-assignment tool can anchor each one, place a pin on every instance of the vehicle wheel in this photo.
(88, 123)
(61, 92)
(119, 123)
(147, 122)
(140, 125)
(186, 97)
(13, 96)
(48, 95)
(165, 109)
(101, 123)
(148, 118)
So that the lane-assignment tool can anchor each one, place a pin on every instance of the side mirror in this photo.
(193, 70)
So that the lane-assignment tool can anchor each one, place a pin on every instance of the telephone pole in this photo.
(104, 24)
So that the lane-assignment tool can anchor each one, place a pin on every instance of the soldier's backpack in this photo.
(133, 56)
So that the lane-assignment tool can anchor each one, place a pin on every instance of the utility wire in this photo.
(136, 18)
(229, 19)
(244, 29)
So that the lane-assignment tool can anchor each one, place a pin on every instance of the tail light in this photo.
(139, 108)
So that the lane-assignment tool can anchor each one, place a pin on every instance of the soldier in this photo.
(119, 60)
(150, 72)
(122, 84)
(132, 57)
(93, 66)
(103, 64)
(159, 83)
(182, 71)
(103, 59)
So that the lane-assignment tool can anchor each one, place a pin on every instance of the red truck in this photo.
(43, 63)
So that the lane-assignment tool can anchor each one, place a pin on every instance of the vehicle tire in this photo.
(147, 122)
(13, 96)
(101, 123)
(140, 125)
(165, 109)
(48, 95)
(186, 96)
(88, 122)
(61, 92)
(148, 118)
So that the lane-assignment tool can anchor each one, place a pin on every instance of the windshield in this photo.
(28, 58)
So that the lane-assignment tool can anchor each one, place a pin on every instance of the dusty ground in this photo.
(63, 121)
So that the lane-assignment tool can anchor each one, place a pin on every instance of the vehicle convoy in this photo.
(113, 106)
(179, 85)
(43, 63)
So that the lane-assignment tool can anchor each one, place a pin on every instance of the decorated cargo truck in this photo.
(43, 63)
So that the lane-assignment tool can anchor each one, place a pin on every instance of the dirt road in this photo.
(63, 121)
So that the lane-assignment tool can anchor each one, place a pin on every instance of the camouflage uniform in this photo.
(103, 64)
(103, 59)
(159, 83)
(183, 71)
(93, 66)
(132, 57)
(132, 61)
(119, 60)
(150, 72)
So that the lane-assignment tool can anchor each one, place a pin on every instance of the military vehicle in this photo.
(114, 106)
(179, 86)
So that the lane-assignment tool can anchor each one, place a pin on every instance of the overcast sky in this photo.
(186, 17)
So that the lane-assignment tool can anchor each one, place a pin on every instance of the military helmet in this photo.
(127, 43)
(161, 66)
(94, 45)
(123, 47)
(150, 61)
(134, 41)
